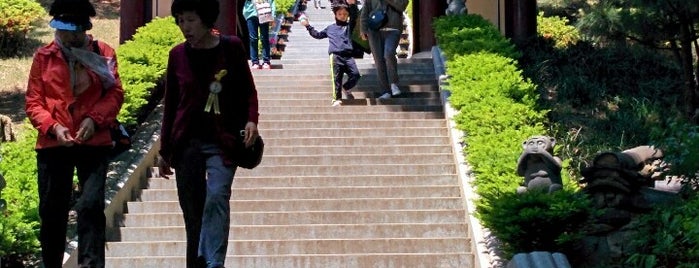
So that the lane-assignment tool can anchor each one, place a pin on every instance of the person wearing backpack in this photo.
(383, 41)
(73, 96)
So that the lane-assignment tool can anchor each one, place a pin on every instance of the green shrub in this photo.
(466, 34)
(142, 64)
(19, 223)
(284, 6)
(17, 18)
(667, 237)
(537, 221)
(558, 29)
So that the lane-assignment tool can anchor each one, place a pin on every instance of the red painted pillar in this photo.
(132, 15)
(228, 17)
(424, 12)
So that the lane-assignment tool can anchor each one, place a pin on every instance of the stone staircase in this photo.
(372, 183)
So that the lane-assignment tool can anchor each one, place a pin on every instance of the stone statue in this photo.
(456, 7)
(7, 132)
(541, 170)
(3, 204)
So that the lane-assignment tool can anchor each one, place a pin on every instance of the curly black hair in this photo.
(207, 10)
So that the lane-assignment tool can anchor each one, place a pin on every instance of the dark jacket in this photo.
(189, 74)
(339, 34)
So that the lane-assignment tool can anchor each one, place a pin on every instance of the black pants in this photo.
(340, 66)
(191, 192)
(56, 167)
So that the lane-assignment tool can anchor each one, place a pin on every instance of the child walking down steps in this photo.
(340, 49)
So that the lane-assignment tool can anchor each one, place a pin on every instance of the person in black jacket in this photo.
(340, 49)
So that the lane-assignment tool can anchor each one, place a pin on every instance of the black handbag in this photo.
(250, 157)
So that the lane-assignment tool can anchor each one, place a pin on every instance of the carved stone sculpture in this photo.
(541, 170)
(3, 204)
(614, 181)
(7, 132)
(456, 7)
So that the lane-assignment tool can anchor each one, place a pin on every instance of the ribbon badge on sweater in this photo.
(214, 89)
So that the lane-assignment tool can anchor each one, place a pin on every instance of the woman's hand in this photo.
(251, 134)
(87, 129)
(63, 135)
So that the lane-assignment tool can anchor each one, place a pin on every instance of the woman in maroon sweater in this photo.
(210, 106)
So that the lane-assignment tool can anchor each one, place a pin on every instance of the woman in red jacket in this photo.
(73, 95)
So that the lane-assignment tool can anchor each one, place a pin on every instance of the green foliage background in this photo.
(19, 223)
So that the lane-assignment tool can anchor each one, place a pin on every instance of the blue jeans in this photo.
(255, 35)
(204, 190)
(383, 45)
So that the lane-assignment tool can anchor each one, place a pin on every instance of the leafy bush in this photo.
(557, 29)
(20, 221)
(667, 237)
(498, 110)
(142, 64)
(283, 6)
(467, 34)
(537, 221)
(680, 144)
(17, 18)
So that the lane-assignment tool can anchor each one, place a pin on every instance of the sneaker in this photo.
(395, 90)
(337, 103)
(255, 66)
(266, 66)
(348, 94)
(385, 96)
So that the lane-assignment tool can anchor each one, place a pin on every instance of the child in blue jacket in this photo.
(340, 48)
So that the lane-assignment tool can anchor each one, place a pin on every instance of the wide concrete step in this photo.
(367, 159)
(416, 260)
(357, 141)
(418, 109)
(348, 112)
(335, 170)
(307, 217)
(369, 60)
(356, 102)
(368, 80)
(323, 71)
(349, 123)
(383, 149)
(344, 204)
(246, 181)
(302, 246)
(408, 90)
(320, 192)
(352, 132)
(307, 231)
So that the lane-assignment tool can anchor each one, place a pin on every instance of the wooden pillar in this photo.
(132, 15)
(228, 17)
(424, 12)
(520, 20)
